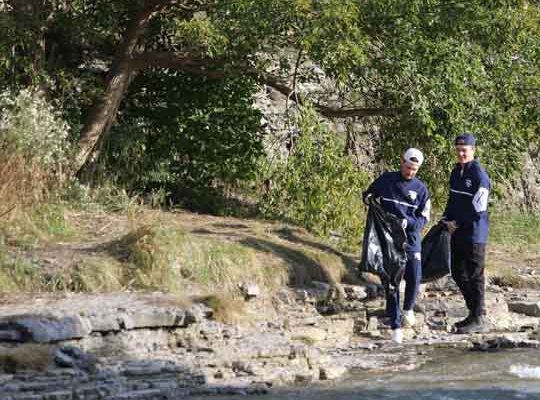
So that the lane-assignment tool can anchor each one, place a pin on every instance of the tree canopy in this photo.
(421, 70)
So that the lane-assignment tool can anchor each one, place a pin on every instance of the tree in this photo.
(189, 138)
(426, 68)
(457, 66)
(216, 38)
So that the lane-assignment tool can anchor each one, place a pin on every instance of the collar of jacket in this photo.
(468, 164)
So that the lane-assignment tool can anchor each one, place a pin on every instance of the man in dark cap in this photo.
(466, 217)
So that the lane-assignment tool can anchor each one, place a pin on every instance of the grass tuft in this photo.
(98, 275)
(225, 308)
(166, 257)
(25, 357)
(515, 229)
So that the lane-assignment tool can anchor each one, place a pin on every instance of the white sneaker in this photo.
(397, 335)
(409, 319)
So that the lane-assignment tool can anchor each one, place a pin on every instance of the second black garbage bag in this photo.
(436, 258)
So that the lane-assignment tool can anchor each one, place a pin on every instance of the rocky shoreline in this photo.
(149, 346)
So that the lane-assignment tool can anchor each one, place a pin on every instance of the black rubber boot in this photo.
(463, 322)
(475, 325)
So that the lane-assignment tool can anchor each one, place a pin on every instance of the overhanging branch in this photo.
(330, 112)
(215, 69)
(180, 61)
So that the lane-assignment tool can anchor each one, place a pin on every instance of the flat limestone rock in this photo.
(44, 328)
(153, 318)
(530, 308)
(332, 372)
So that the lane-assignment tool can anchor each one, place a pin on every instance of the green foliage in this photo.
(200, 36)
(269, 31)
(454, 67)
(31, 127)
(60, 47)
(186, 135)
(316, 186)
(443, 66)
(34, 151)
(21, 60)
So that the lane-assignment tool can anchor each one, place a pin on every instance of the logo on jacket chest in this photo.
(412, 195)
(468, 183)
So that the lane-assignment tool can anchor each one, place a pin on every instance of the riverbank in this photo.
(147, 346)
(310, 319)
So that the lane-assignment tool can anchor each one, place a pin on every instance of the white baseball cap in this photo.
(413, 157)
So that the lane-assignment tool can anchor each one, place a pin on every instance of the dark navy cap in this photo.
(465, 139)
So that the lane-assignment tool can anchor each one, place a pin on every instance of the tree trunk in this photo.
(118, 79)
(103, 113)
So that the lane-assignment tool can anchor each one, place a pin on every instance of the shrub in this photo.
(188, 137)
(34, 151)
(317, 186)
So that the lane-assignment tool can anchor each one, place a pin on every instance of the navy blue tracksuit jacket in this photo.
(406, 199)
(468, 201)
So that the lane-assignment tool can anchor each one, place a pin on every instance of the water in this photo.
(451, 375)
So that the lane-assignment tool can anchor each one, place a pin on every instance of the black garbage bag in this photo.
(383, 247)
(436, 259)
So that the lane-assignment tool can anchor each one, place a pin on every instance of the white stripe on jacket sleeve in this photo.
(480, 199)
(426, 212)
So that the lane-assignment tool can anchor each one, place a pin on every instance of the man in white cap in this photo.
(405, 196)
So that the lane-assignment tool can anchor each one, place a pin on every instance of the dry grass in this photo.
(166, 257)
(515, 231)
(25, 357)
(42, 250)
(515, 281)
(185, 254)
(179, 253)
(94, 275)
(97, 275)
(225, 308)
(507, 267)
(31, 226)
(514, 250)
(169, 252)
(21, 183)
(505, 275)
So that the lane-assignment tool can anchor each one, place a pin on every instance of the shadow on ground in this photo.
(302, 269)
(350, 263)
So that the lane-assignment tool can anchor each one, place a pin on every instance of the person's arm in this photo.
(481, 197)
(421, 215)
(372, 191)
(448, 218)
(446, 214)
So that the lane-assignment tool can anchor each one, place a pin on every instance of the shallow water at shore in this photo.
(450, 375)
